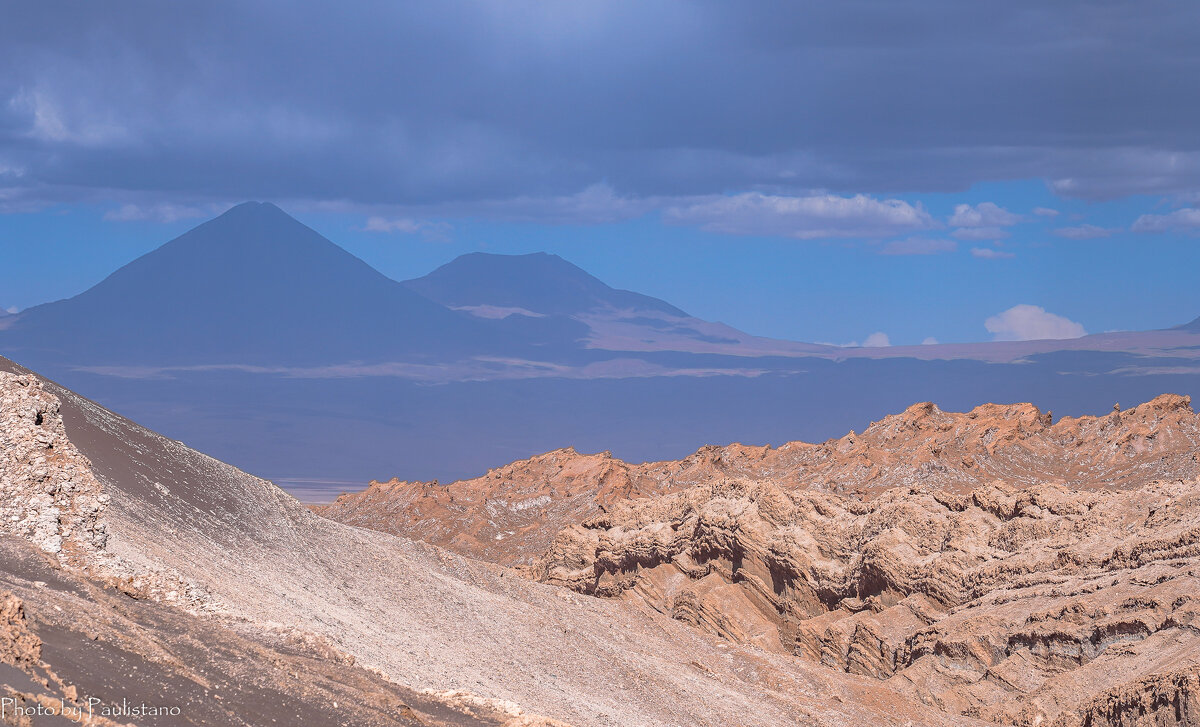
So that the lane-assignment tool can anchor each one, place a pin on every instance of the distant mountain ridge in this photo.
(262, 342)
(253, 286)
(1194, 326)
(538, 282)
(256, 288)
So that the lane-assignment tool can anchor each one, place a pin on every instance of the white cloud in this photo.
(435, 231)
(1064, 186)
(383, 224)
(984, 214)
(918, 246)
(595, 204)
(49, 120)
(930, 341)
(877, 340)
(1083, 232)
(498, 311)
(12, 309)
(161, 212)
(980, 233)
(1045, 212)
(1187, 218)
(805, 218)
(1030, 322)
(988, 253)
(982, 222)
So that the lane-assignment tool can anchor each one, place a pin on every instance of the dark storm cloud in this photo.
(457, 106)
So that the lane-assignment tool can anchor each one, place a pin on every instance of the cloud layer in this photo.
(805, 218)
(474, 104)
(1186, 219)
(918, 246)
(1083, 232)
(1029, 323)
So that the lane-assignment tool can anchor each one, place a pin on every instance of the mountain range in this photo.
(256, 339)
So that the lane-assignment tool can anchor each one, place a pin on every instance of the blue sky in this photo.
(814, 171)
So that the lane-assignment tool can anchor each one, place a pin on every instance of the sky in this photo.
(852, 172)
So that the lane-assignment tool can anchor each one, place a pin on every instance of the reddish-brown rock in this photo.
(1017, 606)
(511, 514)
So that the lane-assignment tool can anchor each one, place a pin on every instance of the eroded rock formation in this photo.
(511, 514)
(48, 492)
(1016, 606)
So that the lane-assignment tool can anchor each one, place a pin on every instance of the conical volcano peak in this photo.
(253, 211)
(252, 224)
(253, 285)
(250, 211)
(250, 207)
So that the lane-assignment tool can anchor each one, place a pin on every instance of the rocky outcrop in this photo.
(1168, 699)
(1016, 606)
(18, 645)
(48, 492)
(52, 496)
(511, 514)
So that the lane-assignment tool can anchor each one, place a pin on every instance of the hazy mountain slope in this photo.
(1193, 327)
(253, 286)
(182, 528)
(538, 283)
(541, 287)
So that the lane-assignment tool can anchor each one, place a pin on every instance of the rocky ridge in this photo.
(511, 514)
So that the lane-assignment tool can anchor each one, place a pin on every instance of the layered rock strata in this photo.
(1013, 605)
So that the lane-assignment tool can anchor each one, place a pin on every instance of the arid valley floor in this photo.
(992, 567)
